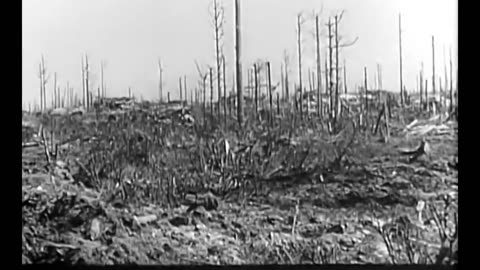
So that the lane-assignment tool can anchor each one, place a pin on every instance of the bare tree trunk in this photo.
(204, 99)
(40, 74)
(160, 83)
(330, 50)
(224, 91)
(55, 97)
(59, 97)
(319, 71)
(426, 95)
(451, 81)
(185, 87)
(84, 98)
(379, 71)
(270, 90)
(345, 76)
(211, 91)
(433, 65)
(337, 79)
(309, 80)
(43, 81)
(87, 82)
(310, 90)
(99, 94)
(445, 87)
(286, 61)
(256, 88)
(421, 87)
(180, 89)
(282, 82)
(366, 94)
(90, 98)
(400, 45)
(278, 103)
(440, 90)
(218, 29)
(299, 40)
(238, 65)
(327, 85)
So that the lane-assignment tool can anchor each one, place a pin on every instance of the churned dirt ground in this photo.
(307, 198)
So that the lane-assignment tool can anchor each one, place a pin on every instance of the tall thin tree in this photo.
(238, 66)
(299, 45)
(211, 91)
(87, 82)
(451, 81)
(433, 66)
(337, 77)
(400, 45)
(318, 64)
(224, 90)
(330, 75)
(345, 76)
(160, 83)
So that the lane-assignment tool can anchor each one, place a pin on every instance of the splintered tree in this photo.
(203, 82)
(338, 46)
(218, 22)
(330, 70)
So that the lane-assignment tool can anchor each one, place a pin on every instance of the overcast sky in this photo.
(131, 35)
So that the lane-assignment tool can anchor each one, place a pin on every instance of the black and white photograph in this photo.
(239, 132)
